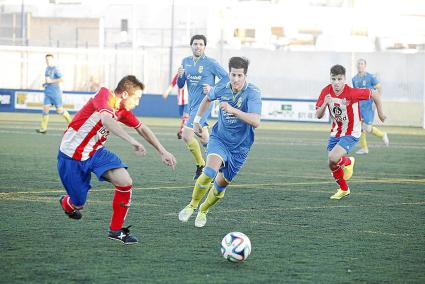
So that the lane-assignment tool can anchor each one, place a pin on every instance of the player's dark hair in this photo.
(49, 55)
(239, 63)
(199, 37)
(337, 70)
(129, 84)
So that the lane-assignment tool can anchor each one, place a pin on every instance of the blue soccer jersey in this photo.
(52, 88)
(234, 133)
(205, 70)
(367, 81)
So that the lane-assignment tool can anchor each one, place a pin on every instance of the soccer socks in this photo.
(338, 174)
(67, 116)
(213, 197)
(344, 161)
(363, 143)
(377, 132)
(44, 122)
(202, 185)
(120, 204)
(194, 147)
(67, 205)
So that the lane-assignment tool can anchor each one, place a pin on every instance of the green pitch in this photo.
(280, 200)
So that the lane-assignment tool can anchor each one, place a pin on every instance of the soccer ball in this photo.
(235, 247)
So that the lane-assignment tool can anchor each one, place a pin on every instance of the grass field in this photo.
(280, 200)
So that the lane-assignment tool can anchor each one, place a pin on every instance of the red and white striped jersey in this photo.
(182, 98)
(344, 109)
(86, 133)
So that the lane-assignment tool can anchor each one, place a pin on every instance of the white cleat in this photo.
(386, 140)
(186, 212)
(201, 219)
(362, 151)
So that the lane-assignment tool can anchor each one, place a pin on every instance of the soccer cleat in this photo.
(179, 135)
(201, 219)
(385, 139)
(362, 151)
(186, 212)
(348, 170)
(41, 131)
(198, 172)
(340, 194)
(76, 215)
(123, 236)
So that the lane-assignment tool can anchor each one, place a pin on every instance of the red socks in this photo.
(344, 161)
(338, 174)
(67, 204)
(120, 205)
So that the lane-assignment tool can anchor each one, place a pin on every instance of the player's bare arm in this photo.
(320, 112)
(112, 125)
(376, 97)
(203, 107)
(252, 119)
(150, 137)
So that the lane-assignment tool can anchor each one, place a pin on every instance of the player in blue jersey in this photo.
(199, 72)
(52, 94)
(231, 137)
(364, 80)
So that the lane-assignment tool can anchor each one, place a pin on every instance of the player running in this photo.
(231, 137)
(82, 153)
(199, 73)
(342, 102)
(364, 79)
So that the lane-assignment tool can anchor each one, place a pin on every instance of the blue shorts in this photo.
(346, 142)
(367, 111)
(233, 162)
(54, 99)
(75, 175)
(183, 109)
(204, 119)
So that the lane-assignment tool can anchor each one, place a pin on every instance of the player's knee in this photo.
(59, 110)
(332, 161)
(210, 172)
(219, 190)
(368, 128)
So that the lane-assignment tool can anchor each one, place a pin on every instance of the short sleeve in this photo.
(58, 73)
(254, 101)
(360, 94)
(128, 118)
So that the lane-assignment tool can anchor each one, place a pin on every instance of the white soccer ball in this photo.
(235, 247)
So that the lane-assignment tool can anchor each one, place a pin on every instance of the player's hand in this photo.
(139, 150)
(224, 106)
(169, 159)
(382, 117)
(206, 88)
(197, 129)
(328, 99)
(180, 71)
(167, 92)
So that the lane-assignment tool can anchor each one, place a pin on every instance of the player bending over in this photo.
(82, 153)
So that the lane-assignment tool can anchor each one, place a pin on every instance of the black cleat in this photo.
(198, 172)
(41, 131)
(123, 236)
(179, 135)
(76, 215)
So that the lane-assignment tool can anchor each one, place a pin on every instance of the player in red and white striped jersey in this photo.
(182, 102)
(342, 102)
(82, 152)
